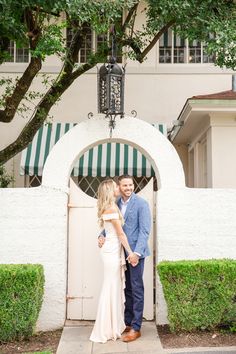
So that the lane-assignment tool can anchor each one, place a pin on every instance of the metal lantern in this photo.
(111, 79)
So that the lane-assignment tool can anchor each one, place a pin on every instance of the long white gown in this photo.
(109, 322)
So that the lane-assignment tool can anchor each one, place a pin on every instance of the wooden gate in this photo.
(85, 267)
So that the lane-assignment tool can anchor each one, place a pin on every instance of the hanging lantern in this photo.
(111, 78)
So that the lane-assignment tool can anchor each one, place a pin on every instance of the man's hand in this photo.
(101, 241)
(133, 259)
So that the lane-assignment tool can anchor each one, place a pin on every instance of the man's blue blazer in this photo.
(137, 224)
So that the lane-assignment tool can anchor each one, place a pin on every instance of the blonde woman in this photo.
(110, 314)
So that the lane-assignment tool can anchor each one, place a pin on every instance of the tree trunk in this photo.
(41, 113)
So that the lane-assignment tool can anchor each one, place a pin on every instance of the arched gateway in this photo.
(139, 134)
(82, 287)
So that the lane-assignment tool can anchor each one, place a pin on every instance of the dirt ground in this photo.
(197, 339)
(42, 341)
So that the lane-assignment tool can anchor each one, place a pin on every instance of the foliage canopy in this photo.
(41, 25)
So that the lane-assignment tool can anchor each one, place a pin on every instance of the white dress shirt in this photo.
(124, 205)
(123, 208)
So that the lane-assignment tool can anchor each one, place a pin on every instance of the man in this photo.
(137, 217)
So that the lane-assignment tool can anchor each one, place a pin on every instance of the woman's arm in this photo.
(122, 236)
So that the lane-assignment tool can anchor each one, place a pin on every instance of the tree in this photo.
(38, 24)
(5, 178)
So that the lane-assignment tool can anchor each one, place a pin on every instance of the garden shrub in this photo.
(21, 296)
(199, 294)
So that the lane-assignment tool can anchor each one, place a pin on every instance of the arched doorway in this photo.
(137, 133)
(160, 152)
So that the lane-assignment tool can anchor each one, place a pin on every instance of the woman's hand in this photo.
(133, 259)
(101, 241)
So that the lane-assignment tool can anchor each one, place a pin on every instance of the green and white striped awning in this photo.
(109, 159)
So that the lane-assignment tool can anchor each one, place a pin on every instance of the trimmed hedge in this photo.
(21, 296)
(199, 294)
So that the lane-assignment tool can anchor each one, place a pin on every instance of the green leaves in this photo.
(198, 20)
(224, 43)
(5, 178)
(21, 296)
(51, 41)
(192, 19)
(41, 27)
(98, 14)
(199, 294)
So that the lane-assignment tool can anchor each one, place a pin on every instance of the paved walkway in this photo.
(75, 340)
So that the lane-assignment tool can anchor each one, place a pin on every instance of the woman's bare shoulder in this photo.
(110, 211)
(110, 214)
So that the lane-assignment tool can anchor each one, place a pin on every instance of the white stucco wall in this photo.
(191, 223)
(33, 229)
(222, 135)
(194, 224)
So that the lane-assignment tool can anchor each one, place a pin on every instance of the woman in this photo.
(110, 314)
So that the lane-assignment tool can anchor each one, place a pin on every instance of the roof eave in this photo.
(198, 105)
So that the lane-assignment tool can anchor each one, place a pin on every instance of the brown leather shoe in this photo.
(131, 335)
(127, 329)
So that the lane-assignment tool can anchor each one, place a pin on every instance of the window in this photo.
(17, 55)
(194, 52)
(176, 50)
(90, 43)
(179, 49)
(165, 47)
(87, 45)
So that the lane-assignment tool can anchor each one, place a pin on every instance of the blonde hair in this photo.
(107, 200)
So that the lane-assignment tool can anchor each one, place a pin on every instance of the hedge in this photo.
(199, 294)
(21, 296)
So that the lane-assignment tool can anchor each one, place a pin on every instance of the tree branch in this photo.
(12, 102)
(72, 55)
(156, 38)
(65, 79)
(36, 122)
(56, 14)
(134, 46)
(93, 60)
(43, 108)
(140, 55)
(34, 30)
(131, 12)
(22, 86)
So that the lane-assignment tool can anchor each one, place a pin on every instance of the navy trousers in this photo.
(134, 295)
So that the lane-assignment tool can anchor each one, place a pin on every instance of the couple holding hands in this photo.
(126, 222)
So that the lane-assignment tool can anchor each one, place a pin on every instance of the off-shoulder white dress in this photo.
(110, 313)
